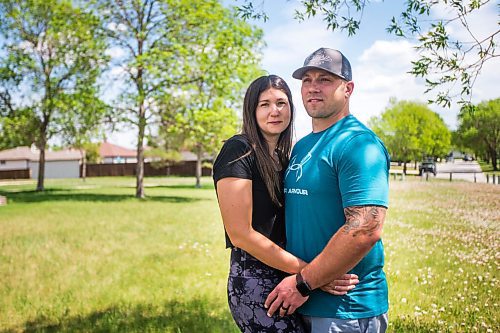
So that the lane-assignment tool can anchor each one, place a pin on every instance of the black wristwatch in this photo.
(302, 286)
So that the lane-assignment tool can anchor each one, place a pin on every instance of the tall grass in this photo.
(89, 257)
(442, 247)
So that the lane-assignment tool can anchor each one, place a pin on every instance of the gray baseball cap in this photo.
(330, 60)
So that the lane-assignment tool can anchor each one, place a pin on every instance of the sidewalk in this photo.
(461, 170)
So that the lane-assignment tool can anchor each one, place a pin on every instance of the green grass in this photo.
(89, 257)
(488, 168)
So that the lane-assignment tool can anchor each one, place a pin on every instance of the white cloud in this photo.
(115, 52)
(117, 71)
(381, 72)
(288, 45)
(486, 85)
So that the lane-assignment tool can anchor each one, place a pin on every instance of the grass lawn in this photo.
(488, 168)
(89, 257)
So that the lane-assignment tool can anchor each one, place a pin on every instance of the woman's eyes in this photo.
(279, 103)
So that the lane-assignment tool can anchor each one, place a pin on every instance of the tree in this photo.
(157, 39)
(17, 128)
(226, 59)
(92, 152)
(204, 130)
(53, 54)
(480, 130)
(411, 131)
(444, 62)
(81, 122)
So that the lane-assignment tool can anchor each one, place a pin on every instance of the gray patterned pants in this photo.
(249, 283)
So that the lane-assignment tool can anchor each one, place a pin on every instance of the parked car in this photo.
(427, 166)
(468, 157)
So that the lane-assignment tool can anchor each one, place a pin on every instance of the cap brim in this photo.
(299, 73)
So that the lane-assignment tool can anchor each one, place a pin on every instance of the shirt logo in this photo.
(297, 167)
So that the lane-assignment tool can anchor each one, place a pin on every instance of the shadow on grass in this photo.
(66, 195)
(190, 316)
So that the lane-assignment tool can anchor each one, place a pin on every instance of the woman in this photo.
(248, 177)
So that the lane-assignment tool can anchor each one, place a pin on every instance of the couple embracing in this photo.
(304, 226)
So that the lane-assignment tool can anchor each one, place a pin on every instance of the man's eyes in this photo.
(321, 79)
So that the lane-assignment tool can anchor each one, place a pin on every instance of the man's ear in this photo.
(349, 88)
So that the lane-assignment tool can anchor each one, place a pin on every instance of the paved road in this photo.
(461, 170)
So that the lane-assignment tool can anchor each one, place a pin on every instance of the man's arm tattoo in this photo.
(363, 220)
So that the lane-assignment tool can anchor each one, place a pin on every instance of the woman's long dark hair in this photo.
(251, 130)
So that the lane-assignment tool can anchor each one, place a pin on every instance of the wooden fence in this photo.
(15, 174)
(128, 169)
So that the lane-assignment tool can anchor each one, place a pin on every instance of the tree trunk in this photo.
(491, 148)
(198, 166)
(84, 165)
(41, 168)
(404, 167)
(139, 191)
(494, 157)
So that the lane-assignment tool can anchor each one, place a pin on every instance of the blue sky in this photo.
(380, 61)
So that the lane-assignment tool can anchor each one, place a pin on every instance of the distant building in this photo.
(114, 154)
(58, 164)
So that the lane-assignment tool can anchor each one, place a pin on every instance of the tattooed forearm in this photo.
(363, 220)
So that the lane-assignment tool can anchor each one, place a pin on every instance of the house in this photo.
(113, 154)
(58, 164)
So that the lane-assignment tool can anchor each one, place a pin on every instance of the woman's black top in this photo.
(234, 160)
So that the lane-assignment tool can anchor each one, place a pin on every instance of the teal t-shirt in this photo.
(344, 165)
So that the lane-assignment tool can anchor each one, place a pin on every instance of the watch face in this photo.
(303, 288)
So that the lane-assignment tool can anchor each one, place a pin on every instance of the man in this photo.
(336, 190)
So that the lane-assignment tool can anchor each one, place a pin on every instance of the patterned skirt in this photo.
(249, 283)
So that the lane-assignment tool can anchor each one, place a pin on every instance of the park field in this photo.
(89, 257)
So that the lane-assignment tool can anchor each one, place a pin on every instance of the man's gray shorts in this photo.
(376, 324)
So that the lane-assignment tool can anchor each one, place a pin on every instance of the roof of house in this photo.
(188, 156)
(26, 153)
(110, 150)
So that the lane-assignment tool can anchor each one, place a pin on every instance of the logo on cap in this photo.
(318, 58)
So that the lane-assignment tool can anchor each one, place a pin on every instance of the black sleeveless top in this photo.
(267, 217)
